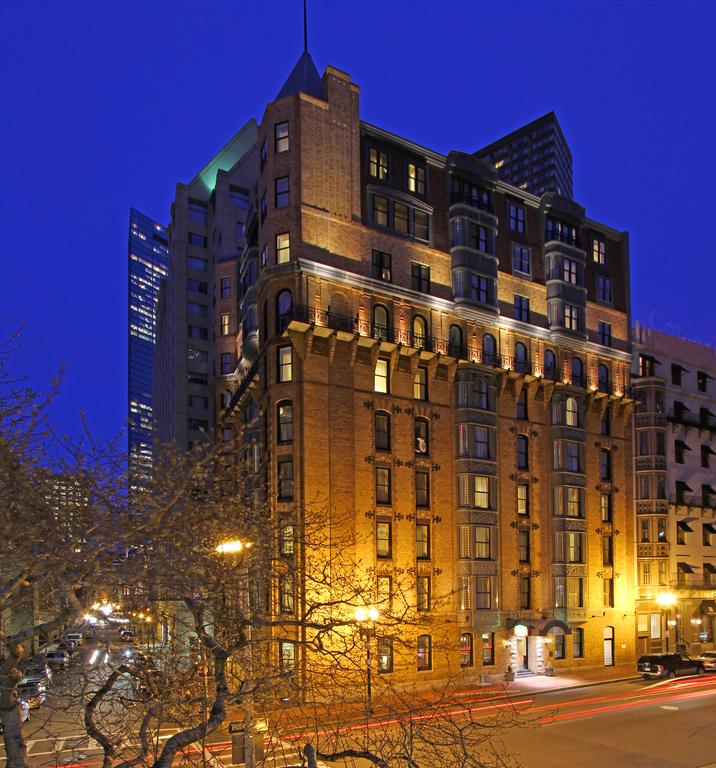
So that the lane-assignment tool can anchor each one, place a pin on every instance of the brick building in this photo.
(440, 362)
(675, 489)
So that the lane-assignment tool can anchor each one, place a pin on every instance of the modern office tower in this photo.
(535, 158)
(675, 489)
(148, 247)
(438, 362)
(206, 239)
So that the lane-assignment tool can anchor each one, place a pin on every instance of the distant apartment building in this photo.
(675, 489)
(436, 358)
(148, 248)
(535, 157)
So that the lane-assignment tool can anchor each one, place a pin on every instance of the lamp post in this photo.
(238, 547)
(666, 600)
(366, 619)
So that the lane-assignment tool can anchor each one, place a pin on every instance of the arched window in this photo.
(380, 322)
(489, 349)
(466, 652)
(284, 420)
(577, 372)
(420, 332)
(382, 431)
(455, 348)
(284, 306)
(571, 412)
(550, 365)
(520, 357)
(422, 437)
(603, 378)
(522, 452)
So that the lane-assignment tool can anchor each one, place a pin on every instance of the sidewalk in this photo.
(564, 681)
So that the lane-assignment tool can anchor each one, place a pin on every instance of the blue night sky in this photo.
(108, 105)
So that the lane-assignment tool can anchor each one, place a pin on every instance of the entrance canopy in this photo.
(540, 627)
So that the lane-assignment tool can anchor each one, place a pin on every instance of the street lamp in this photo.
(366, 619)
(237, 547)
(666, 600)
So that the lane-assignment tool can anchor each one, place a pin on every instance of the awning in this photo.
(684, 446)
(708, 449)
(541, 627)
(711, 528)
(685, 567)
(682, 486)
(685, 526)
(710, 567)
(708, 607)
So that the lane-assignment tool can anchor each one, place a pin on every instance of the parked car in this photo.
(24, 711)
(40, 674)
(59, 658)
(32, 693)
(709, 660)
(668, 665)
(127, 635)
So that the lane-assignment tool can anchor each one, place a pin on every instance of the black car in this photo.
(668, 665)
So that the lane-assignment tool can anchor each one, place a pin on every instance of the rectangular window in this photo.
(516, 218)
(380, 210)
(283, 248)
(225, 288)
(422, 541)
(377, 164)
(463, 542)
(384, 592)
(488, 648)
(198, 401)
(197, 213)
(479, 288)
(225, 324)
(466, 655)
(605, 334)
(608, 588)
(483, 593)
(599, 251)
(571, 317)
(482, 443)
(264, 206)
(521, 259)
(287, 654)
(421, 225)
(198, 240)
(226, 363)
(604, 289)
(577, 642)
(285, 479)
(197, 286)
(525, 596)
(382, 431)
(197, 332)
(287, 540)
(425, 652)
(478, 238)
(416, 179)
(702, 381)
(239, 199)
(198, 310)
(400, 218)
(423, 593)
(380, 377)
(287, 594)
(608, 550)
(605, 465)
(524, 545)
(385, 654)
(382, 485)
(422, 489)
(482, 492)
(284, 364)
(280, 133)
(522, 308)
(381, 266)
(420, 384)
(199, 265)
(569, 271)
(483, 542)
(605, 506)
(420, 277)
(282, 192)
(575, 592)
(383, 540)
(523, 499)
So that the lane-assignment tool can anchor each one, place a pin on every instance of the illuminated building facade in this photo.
(535, 157)
(148, 248)
(675, 490)
(440, 361)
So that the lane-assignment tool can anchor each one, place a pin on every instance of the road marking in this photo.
(667, 706)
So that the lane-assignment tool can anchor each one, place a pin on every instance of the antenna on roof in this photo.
(305, 29)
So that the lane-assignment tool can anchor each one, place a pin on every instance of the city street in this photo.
(633, 723)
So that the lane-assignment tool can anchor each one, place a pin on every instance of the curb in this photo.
(589, 684)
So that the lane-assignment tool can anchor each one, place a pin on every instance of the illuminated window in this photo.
(381, 322)
(225, 324)
(383, 540)
(482, 492)
(577, 642)
(285, 364)
(523, 499)
(380, 377)
(280, 131)
(385, 654)
(281, 191)
(420, 332)
(569, 271)
(423, 593)
(420, 384)
(483, 593)
(487, 642)
(284, 412)
(422, 442)
(382, 485)
(287, 594)
(425, 652)
(571, 317)
(283, 248)
(599, 251)
(422, 541)
(377, 164)
(483, 542)
(422, 489)
(572, 412)
(466, 653)
(287, 654)
(416, 179)
(605, 507)
(400, 218)
(381, 266)
(287, 543)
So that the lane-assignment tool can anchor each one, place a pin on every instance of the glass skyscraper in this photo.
(148, 254)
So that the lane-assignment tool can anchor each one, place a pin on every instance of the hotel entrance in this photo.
(523, 659)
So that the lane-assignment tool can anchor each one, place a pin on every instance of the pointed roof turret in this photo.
(304, 78)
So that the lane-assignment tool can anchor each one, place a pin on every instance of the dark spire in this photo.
(304, 78)
(305, 29)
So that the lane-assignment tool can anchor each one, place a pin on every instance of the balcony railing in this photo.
(695, 581)
(652, 549)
